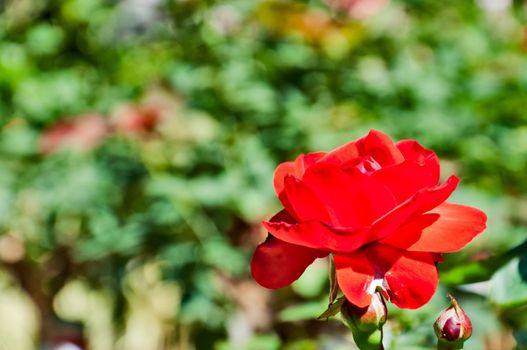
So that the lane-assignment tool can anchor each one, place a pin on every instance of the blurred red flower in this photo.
(358, 9)
(378, 208)
(133, 120)
(82, 133)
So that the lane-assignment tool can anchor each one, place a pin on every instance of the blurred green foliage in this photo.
(169, 212)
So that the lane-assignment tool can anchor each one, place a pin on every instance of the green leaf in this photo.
(472, 272)
(507, 287)
(45, 39)
(303, 344)
(333, 309)
(222, 255)
(479, 271)
(264, 342)
(301, 312)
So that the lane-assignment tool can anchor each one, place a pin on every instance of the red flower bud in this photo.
(453, 324)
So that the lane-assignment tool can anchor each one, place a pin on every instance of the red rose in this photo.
(378, 208)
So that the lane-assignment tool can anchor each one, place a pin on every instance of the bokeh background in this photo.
(139, 138)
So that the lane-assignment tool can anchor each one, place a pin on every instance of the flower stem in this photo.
(441, 345)
(368, 340)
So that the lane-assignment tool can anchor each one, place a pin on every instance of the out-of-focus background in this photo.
(138, 139)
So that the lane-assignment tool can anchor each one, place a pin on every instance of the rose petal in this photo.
(411, 277)
(342, 154)
(316, 235)
(376, 144)
(351, 198)
(356, 277)
(277, 264)
(283, 216)
(445, 229)
(407, 178)
(296, 169)
(412, 150)
(408, 278)
(421, 202)
(381, 147)
(301, 202)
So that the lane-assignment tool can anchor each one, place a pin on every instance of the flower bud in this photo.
(453, 325)
(366, 323)
(370, 317)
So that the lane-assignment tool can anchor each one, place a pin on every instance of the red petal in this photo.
(277, 264)
(381, 147)
(296, 169)
(445, 229)
(301, 202)
(283, 216)
(413, 151)
(409, 278)
(407, 178)
(355, 276)
(342, 154)
(352, 199)
(376, 144)
(422, 202)
(316, 235)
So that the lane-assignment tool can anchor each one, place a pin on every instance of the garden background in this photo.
(139, 138)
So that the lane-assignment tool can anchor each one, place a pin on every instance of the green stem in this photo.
(368, 340)
(441, 345)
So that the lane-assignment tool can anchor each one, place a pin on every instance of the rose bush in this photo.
(378, 208)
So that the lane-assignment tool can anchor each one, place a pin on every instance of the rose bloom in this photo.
(378, 208)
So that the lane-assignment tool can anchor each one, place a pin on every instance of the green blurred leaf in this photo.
(507, 287)
(303, 345)
(479, 271)
(41, 97)
(44, 39)
(312, 281)
(223, 256)
(305, 311)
